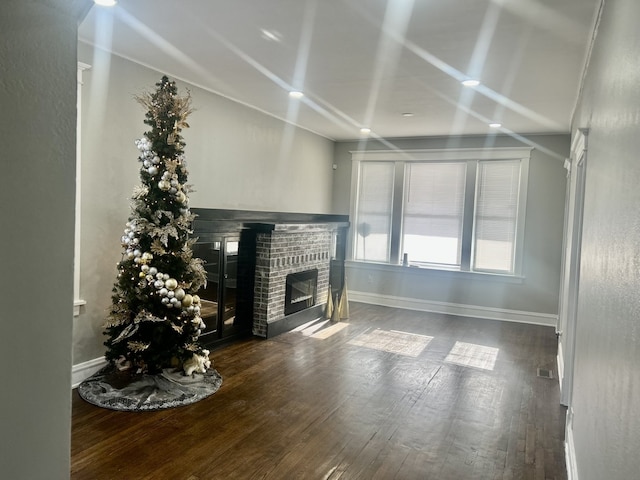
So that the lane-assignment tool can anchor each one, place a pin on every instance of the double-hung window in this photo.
(443, 209)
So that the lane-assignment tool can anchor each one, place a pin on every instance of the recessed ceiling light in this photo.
(407, 114)
(296, 94)
(495, 125)
(470, 82)
(105, 3)
(365, 131)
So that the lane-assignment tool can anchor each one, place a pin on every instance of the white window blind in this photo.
(496, 215)
(433, 212)
(375, 197)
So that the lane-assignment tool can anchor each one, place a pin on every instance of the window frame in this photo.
(472, 156)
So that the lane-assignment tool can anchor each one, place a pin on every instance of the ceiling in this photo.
(394, 66)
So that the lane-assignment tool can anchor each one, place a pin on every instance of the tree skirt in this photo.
(121, 390)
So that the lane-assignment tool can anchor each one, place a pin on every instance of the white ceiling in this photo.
(367, 62)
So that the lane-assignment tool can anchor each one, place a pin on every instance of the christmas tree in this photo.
(154, 321)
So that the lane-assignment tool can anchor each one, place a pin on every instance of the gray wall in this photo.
(238, 158)
(538, 292)
(606, 406)
(37, 94)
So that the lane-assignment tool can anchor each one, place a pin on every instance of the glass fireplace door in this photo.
(218, 297)
(229, 288)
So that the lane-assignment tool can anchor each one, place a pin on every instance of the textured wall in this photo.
(238, 158)
(38, 123)
(538, 292)
(606, 406)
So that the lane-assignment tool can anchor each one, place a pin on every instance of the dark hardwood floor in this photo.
(303, 406)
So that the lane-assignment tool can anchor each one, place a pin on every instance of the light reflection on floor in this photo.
(393, 341)
(404, 343)
(472, 355)
(327, 332)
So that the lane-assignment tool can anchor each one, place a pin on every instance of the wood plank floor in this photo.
(326, 405)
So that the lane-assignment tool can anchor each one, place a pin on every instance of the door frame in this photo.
(570, 276)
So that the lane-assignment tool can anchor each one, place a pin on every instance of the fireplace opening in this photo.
(301, 290)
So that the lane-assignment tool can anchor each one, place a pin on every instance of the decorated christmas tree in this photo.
(154, 322)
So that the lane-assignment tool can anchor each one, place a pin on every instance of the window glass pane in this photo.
(433, 212)
(496, 215)
(373, 225)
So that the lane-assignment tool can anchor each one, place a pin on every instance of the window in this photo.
(496, 217)
(444, 209)
(433, 212)
(374, 213)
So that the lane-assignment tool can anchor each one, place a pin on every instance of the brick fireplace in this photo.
(285, 250)
(249, 256)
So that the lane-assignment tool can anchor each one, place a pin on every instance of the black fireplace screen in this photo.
(301, 290)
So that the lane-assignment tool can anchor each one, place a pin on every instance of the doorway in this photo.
(567, 309)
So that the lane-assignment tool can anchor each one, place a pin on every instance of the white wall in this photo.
(535, 298)
(38, 97)
(238, 158)
(606, 398)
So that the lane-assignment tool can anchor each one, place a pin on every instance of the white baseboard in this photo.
(489, 313)
(84, 370)
(570, 454)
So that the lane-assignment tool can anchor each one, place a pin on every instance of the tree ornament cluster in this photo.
(155, 322)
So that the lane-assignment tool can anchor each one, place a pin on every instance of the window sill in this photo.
(420, 271)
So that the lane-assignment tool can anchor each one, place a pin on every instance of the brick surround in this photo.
(288, 249)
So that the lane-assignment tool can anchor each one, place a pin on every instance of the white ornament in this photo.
(165, 300)
(171, 294)
(171, 283)
(158, 284)
(180, 294)
(152, 170)
(165, 276)
(163, 292)
(144, 268)
(153, 271)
